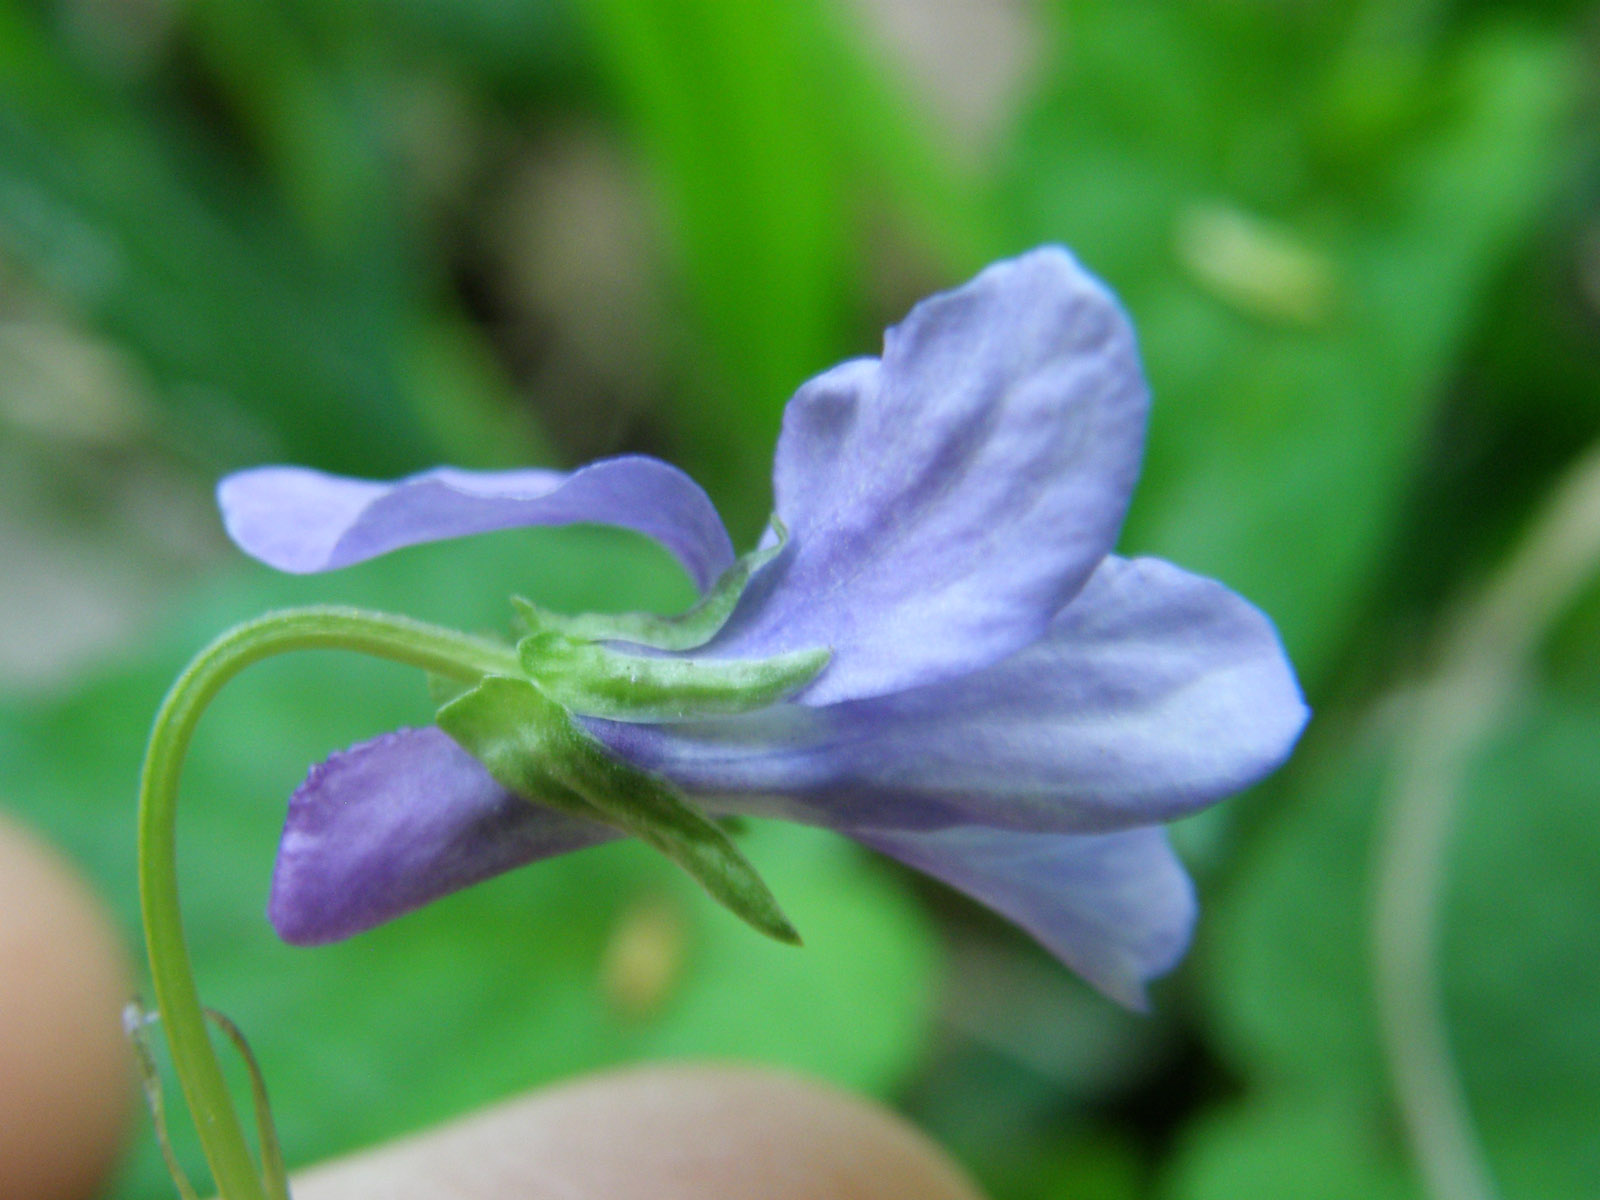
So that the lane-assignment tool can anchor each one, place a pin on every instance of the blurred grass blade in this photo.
(260, 337)
(760, 127)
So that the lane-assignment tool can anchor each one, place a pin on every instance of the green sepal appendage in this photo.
(600, 682)
(137, 1022)
(687, 630)
(531, 745)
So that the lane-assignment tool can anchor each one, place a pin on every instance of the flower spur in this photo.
(958, 673)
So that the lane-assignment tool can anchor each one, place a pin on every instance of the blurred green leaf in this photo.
(308, 103)
(1522, 952)
(1528, 401)
(1287, 1148)
(522, 48)
(1285, 952)
(1288, 952)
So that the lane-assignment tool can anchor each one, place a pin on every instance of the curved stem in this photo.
(1479, 670)
(399, 639)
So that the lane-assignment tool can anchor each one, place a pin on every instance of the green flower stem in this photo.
(440, 651)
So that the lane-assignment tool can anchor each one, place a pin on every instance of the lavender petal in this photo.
(1117, 908)
(947, 501)
(1153, 694)
(303, 521)
(394, 823)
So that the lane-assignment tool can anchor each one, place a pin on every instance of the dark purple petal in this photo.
(1154, 693)
(300, 520)
(392, 824)
(945, 502)
(1117, 908)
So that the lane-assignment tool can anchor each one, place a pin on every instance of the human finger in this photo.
(669, 1132)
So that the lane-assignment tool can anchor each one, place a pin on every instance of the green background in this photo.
(1361, 244)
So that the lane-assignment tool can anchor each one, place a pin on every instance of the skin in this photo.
(667, 1132)
(66, 1075)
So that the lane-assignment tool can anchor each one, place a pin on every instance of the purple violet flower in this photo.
(1007, 707)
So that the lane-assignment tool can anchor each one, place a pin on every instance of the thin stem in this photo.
(399, 639)
(1480, 667)
(273, 1176)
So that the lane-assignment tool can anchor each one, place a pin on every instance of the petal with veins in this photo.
(1154, 693)
(394, 823)
(945, 502)
(1117, 908)
(303, 521)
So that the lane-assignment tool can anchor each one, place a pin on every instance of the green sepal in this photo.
(505, 732)
(687, 630)
(531, 745)
(600, 682)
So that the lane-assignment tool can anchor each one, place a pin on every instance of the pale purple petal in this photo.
(300, 520)
(392, 824)
(1117, 908)
(1154, 693)
(945, 502)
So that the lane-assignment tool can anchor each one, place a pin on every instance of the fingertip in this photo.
(66, 1071)
(668, 1132)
